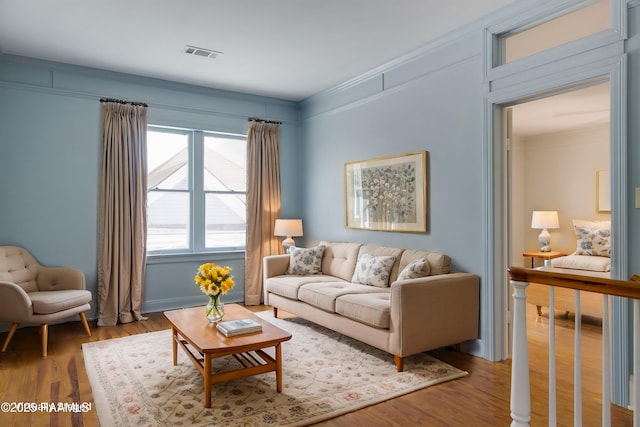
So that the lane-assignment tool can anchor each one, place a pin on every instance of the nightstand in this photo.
(542, 255)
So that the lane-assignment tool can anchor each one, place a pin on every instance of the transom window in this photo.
(196, 190)
(585, 21)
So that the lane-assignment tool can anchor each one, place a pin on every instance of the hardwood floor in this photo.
(480, 399)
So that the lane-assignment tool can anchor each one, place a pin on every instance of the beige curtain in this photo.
(122, 224)
(263, 203)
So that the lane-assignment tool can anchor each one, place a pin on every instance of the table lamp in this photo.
(288, 228)
(544, 220)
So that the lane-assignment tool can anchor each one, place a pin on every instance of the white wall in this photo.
(558, 172)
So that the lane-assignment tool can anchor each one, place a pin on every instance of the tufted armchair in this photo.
(31, 293)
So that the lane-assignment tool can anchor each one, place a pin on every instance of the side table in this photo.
(542, 255)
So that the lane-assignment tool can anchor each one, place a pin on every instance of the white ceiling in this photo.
(288, 49)
(580, 108)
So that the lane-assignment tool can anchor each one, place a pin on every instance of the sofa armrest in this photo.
(58, 278)
(275, 265)
(434, 311)
(15, 304)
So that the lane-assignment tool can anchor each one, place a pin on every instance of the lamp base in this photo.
(544, 238)
(287, 244)
(288, 241)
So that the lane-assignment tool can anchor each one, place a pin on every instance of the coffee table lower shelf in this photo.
(253, 362)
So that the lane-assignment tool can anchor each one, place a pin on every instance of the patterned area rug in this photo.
(325, 374)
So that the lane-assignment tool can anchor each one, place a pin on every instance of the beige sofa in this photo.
(406, 317)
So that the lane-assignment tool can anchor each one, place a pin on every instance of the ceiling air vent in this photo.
(198, 51)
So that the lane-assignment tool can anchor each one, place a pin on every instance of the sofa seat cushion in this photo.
(372, 308)
(288, 286)
(48, 302)
(324, 295)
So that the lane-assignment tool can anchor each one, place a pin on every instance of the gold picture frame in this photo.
(387, 193)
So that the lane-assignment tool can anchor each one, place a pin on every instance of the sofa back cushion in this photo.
(377, 251)
(339, 259)
(439, 263)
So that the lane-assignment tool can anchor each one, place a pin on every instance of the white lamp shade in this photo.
(545, 220)
(288, 227)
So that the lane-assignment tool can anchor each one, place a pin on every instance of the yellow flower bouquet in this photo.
(214, 280)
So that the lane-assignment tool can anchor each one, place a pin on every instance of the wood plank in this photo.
(479, 399)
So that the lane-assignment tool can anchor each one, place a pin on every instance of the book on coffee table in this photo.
(232, 328)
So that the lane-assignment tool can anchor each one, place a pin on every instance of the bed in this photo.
(591, 258)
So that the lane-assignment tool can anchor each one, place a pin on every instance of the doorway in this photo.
(555, 146)
(559, 145)
(502, 221)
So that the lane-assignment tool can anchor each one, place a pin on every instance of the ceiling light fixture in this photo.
(199, 51)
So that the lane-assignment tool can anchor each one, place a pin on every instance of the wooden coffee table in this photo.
(190, 326)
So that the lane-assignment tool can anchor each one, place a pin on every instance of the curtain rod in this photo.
(255, 119)
(119, 101)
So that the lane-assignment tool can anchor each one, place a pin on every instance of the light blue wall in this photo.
(440, 112)
(433, 100)
(50, 159)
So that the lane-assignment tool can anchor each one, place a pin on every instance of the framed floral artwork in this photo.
(387, 193)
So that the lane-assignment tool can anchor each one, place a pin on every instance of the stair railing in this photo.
(520, 387)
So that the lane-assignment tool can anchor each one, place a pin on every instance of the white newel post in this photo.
(520, 389)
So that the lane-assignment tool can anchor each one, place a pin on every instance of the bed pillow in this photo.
(305, 260)
(593, 238)
(414, 270)
(583, 262)
(373, 270)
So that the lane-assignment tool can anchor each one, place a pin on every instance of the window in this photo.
(196, 190)
(582, 22)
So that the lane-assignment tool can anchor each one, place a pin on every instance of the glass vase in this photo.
(215, 309)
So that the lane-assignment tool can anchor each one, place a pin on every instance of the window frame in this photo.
(196, 234)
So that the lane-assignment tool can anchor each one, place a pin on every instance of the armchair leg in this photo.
(45, 336)
(12, 331)
(84, 322)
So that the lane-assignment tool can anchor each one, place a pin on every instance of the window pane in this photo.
(225, 220)
(575, 25)
(168, 160)
(225, 164)
(167, 220)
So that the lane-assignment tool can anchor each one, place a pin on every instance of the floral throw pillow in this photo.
(414, 270)
(593, 241)
(305, 260)
(374, 271)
